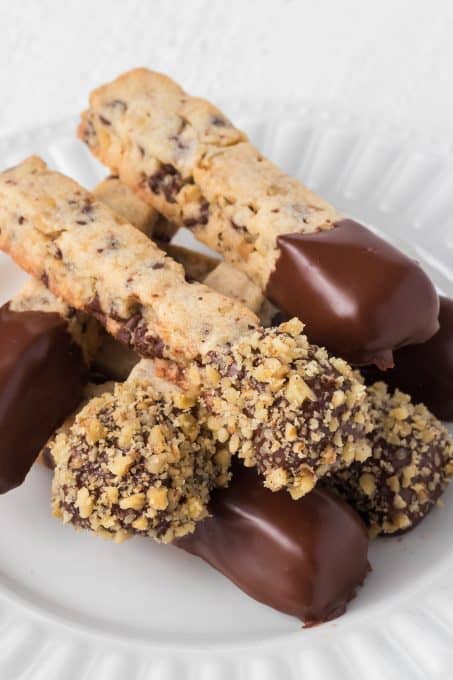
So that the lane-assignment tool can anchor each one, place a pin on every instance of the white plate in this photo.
(75, 607)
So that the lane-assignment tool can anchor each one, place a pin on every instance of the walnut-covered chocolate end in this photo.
(410, 466)
(136, 462)
(286, 407)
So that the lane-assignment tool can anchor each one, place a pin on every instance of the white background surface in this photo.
(391, 58)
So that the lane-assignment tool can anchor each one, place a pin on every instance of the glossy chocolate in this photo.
(42, 374)
(426, 371)
(358, 296)
(305, 558)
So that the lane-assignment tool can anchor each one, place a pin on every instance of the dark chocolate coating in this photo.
(425, 371)
(42, 374)
(359, 297)
(305, 558)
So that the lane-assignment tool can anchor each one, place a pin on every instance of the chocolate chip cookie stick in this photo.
(95, 261)
(282, 404)
(357, 295)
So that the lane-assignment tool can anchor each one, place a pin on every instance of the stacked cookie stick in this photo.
(410, 463)
(388, 507)
(281, 403)
(146, 456)
(116, 502)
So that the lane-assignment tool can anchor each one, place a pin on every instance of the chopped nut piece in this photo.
(134, 502)
(94, 430)
(158, 498)
(84, 502)
(120, 465)
(367, 483)
(276, 479)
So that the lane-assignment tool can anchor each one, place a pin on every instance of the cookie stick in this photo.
(283, 404)
(95, 261)
(113, 359)
(357, 295)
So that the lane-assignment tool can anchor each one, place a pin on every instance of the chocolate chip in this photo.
(167, 181)
(104, 120)
(158, 265)
(190, 222)
(118, 104)
(202, 219)
(21, 219)
(89, 133)
(45, 279)
(147, 345)
(88, 207)
(179, 142)
(218, 121)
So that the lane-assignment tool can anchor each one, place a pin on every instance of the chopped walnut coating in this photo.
(136, 462)
(410, 466)
(287, 407)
